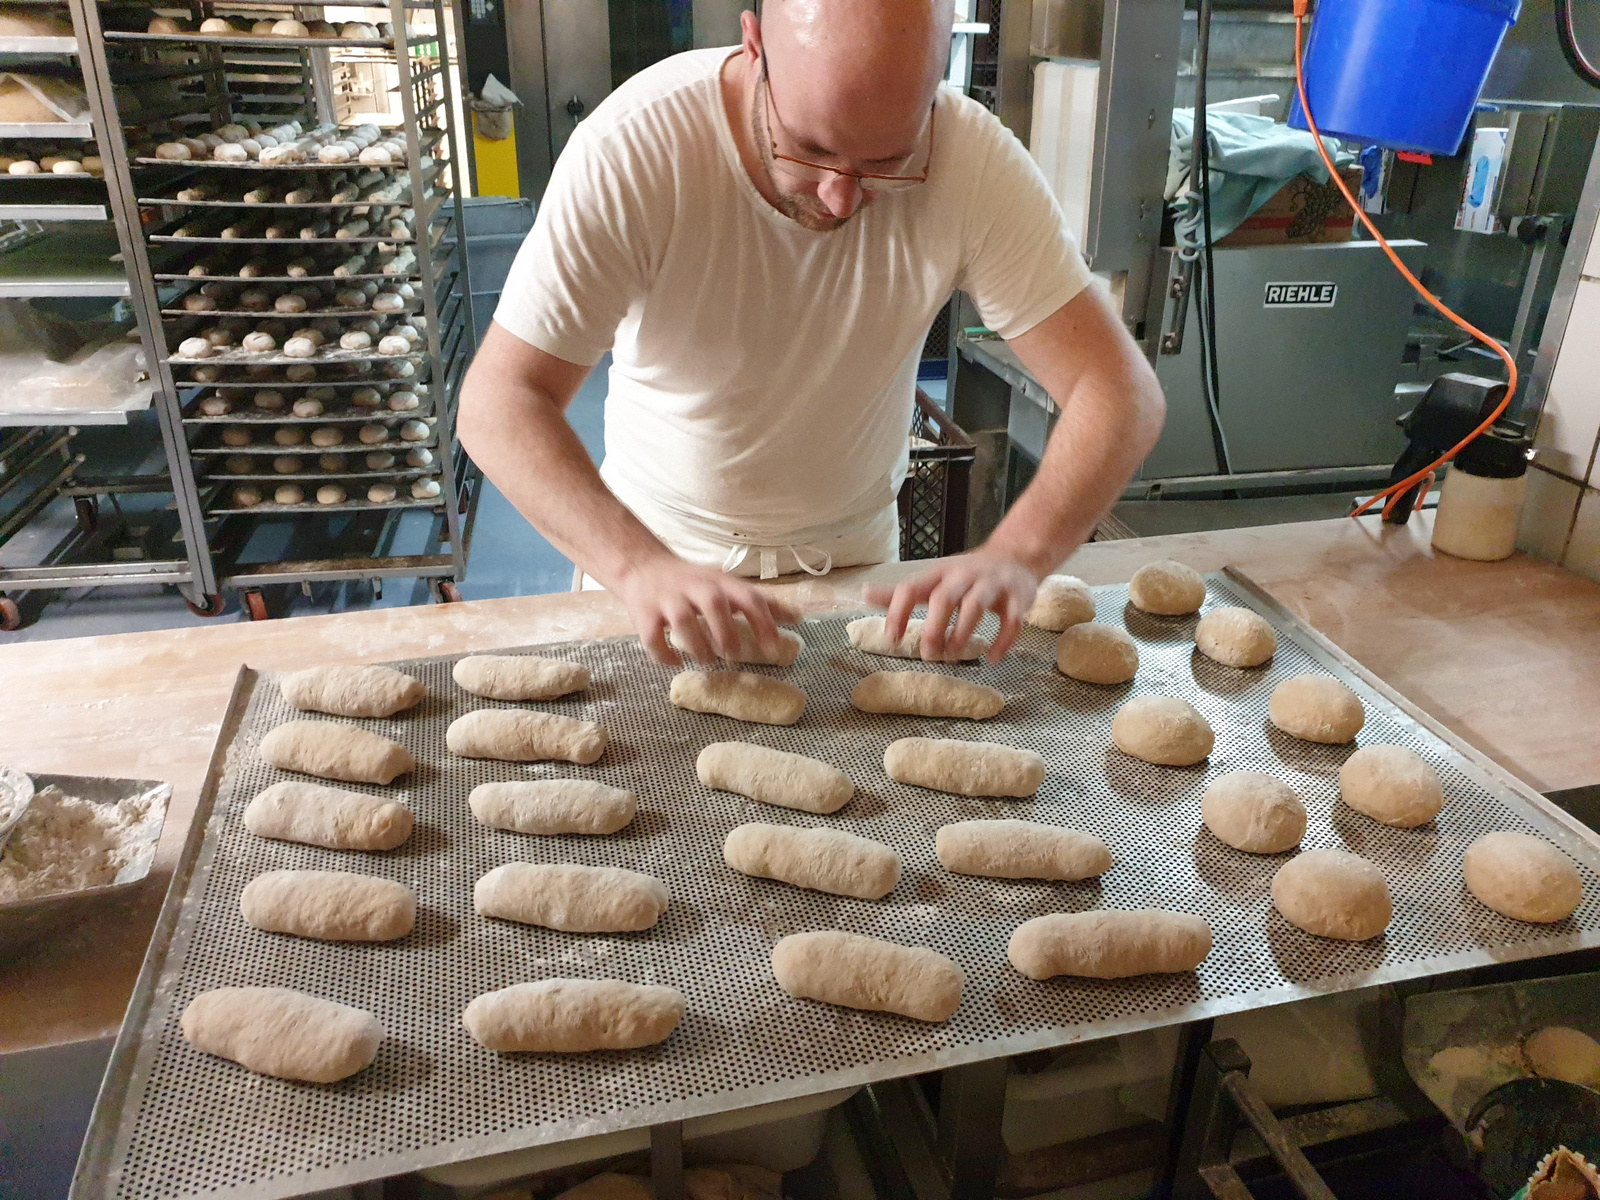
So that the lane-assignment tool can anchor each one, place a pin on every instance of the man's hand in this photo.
(968, 584)
(664, 592)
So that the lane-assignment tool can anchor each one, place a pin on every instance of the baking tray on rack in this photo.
(172, 1122)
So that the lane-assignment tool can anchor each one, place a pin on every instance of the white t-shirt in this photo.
(762, 373)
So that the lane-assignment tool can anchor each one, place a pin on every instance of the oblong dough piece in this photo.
(1020, 850)
(283, 1033)
(1167, 589)
(1560, 1052)
(869, 635)
(511, 735)
(552, 806)
(569, 1016)
(1235, 637)
(317, 815)
(1162, 730)
(1253, 812)
(925, 694)
(333, 906)
(868, 973)
(347, 691)
(331, 751)
(774, 776)
(1392, 785)
(1333, 894)
(1061, 602)
(964, 768)
(1521, 876)
(1109, 945)
(1317, 708)
(790, 644)
(519, 676)
(824, 860)
(1094, 653)
(742, 695)
(571, 898)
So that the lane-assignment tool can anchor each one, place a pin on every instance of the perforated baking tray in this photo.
(173, 1122)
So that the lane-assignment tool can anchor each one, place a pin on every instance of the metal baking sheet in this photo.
(173, 1122)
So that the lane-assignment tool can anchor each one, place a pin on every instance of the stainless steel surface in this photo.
(1530, 65)
(170, 1119)
(16, 792)
(577, 62)
(1066, 28)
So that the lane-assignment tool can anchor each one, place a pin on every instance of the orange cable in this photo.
(1397, 489)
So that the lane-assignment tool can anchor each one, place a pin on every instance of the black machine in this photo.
(1453, 407)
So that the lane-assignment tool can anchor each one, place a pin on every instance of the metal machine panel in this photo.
(1305, 383)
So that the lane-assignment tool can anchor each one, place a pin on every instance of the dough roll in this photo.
(774, 777)
(281, 1032)
(964, 768)
(1109, 945)
(924, 694)
(512, 735)
(790, 644)
(348, 691)
(550, 806)
(742, 695)
(1020, 850)
(571, 898)
(569, 1016)
(518, 676)
(331, 751)
(869, 973)
(333, 906)
(318, 815)
(824, 860)
(871, 635)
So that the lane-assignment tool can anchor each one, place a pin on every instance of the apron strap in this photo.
(769, 559)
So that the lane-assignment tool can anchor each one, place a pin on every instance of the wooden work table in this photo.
(1507, 655)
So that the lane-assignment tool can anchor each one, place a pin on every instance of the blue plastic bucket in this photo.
(1404, 74)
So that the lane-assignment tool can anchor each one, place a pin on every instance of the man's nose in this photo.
(841, 194)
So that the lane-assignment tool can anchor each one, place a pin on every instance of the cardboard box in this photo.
(1303, 211)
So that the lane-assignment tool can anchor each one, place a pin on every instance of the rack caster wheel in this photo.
(212, 608)
(445, 591)
(255, 604)
(10, 614)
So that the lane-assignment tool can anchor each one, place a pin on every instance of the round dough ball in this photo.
(300, 347)
(262, 28)
(356, 339)
(403, 402)
(330, 493)
(414, 431)
(1522, 876)
(259, 343)
(1097, 654)
(310, 334)
(379, 460)
(419, 456)
(246, 497)
(366, 397)
(1062, 602)
(289, 493)
(371, 435)
(68, 166)
(216, 406)
(394, 345)
(269, 400)
(329, 435)
(1317, 708)
(1167, 589)
(287, 464)
(24, 166)
(195, 302)
(381, 493)
(254, 300)
(1253, 812)
(388, 301)
(1163, 730)
(236, 437)
(164, 25)
(289, 435)
(332, 462)
(219, 336)
(307, 407)
(376, 156)
(1557, 1052)
(217, 25)
(300, 372)
(239, 464)
(1391, 784)
(173, 151)
(289, 29)
(1333, 894)
(425, 489)
(195, 347)
(1235, 637)
(290, 303)
(231, 152)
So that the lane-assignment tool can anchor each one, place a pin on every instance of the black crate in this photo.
(933, 499)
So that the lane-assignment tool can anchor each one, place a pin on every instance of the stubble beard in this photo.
(806, 211)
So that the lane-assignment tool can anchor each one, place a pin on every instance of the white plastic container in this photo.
(1479, 514)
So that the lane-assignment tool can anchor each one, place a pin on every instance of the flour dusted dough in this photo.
(352, 691)
(925, 694)
(964, 768)
(569, 1016)
(1391, 784)
(571, 898)
(1235, 637)
(824, 860)
(868, 973)
(1062, 602)
(1318, 709)
(1100, 654)
(551, 806)
(1557, 1052)
(331, 751)
(1109, 945)
(742, 695)
(1167, 588)
(519, 676)
(1020, 850)
(868, 634)
(281, 1032)
(1521, 876)
(1253, 812)
(335, 906)
(318, 815)
(1162, 729)
(790, 644)
(511, 735)
(774, 777)
(1333, 894)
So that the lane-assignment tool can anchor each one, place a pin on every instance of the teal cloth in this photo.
(1250, 158)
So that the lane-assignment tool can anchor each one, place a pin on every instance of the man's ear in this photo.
(750, 35)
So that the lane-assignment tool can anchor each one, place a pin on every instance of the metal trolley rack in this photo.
(325, 448)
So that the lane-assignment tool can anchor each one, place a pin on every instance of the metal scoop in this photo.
(16, 793)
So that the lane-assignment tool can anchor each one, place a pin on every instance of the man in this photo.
(762, 237)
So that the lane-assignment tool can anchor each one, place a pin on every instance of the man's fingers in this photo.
(973, 606)
(718, 614)
(688, 634)
(906, 597)
(654, 636)
(879, 594)
(1010, 614)
(758, 610)
(941, 605)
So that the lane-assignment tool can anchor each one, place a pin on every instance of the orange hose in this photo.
(1397, 489)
